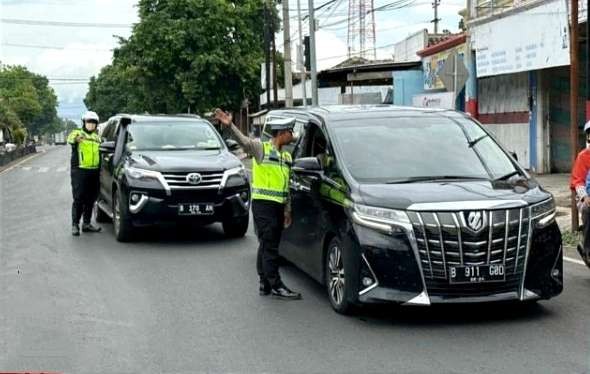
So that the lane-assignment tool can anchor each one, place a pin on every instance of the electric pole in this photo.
(435, 5)
(267, 52)
(314, 73)
(302, 64)
(275, 88)
(287, 55)
(574, 82)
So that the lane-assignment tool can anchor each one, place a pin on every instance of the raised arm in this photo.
(253, 147)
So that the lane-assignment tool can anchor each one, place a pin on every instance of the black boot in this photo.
(282, 292)
(75, 230)
(264, 289)
(584, 254)
(89, 227)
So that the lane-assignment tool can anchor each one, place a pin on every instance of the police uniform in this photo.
(85, 163)
(271, 170)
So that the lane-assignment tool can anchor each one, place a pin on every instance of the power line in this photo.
(36, 46)
(63, 24)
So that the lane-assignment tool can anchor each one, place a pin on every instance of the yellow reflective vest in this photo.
(87, 150)
(270, 178)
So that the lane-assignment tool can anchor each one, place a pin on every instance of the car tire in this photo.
(236, 227)
(337, 271)
(122, 225)
(101, 216)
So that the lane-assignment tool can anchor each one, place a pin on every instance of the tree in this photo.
(184, 54)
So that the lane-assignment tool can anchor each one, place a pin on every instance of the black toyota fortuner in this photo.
(157, 169)
(416, 206)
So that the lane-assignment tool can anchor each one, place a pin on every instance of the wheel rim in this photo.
(116, 213)
(336, 279)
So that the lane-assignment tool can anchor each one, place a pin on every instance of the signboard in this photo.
(543, 43)
(441, 100)
(432, 66)
(454, 73)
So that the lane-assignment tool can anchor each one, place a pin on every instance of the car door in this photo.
(106, 163)
(303, 240)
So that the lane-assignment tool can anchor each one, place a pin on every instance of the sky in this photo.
(69, 56)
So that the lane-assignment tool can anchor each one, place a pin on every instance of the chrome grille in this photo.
(209, 180)
(444, 239)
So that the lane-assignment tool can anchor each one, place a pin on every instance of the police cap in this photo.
(278, 124)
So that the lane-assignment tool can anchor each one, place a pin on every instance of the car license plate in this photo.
(196, 209)
(477, 274)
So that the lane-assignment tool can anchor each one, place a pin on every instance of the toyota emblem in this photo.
(476, 220)
(194, 178)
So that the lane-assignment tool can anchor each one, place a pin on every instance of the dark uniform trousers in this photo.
(269, 219)
(85, 186)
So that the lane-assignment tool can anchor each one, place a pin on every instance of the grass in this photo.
(570, 239)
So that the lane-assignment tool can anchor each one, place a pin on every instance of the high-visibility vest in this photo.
(270, 178)
(88, 153)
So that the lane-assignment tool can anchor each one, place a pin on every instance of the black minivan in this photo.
(416, 206)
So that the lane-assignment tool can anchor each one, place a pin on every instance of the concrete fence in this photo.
(8, 157)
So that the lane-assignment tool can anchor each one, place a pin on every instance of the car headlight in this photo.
(382, 219)
(142, 174)
(234, 177)
(543, 214)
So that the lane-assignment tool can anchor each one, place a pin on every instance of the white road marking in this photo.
(26, 168)
(573, 260)
(21, 162)
(62, 169)
(43, 169)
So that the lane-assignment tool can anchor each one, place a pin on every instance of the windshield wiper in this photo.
(475, 141)
(507, 176)
(209, 148)
(433, 178)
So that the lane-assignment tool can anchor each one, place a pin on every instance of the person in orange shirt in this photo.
(578, 184)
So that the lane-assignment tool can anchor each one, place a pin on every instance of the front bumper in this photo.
(393, 263)
(156, 207)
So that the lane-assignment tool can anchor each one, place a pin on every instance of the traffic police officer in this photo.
(270, 198)
(84, 172)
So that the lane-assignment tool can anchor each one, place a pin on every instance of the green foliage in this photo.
(27, 101)
(184, 53)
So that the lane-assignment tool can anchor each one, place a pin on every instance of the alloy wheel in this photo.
(336, 279)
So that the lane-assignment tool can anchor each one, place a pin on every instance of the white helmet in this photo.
(90, 116)
(587, 126)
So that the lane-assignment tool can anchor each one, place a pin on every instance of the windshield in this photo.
(396, 150)
(172, 135)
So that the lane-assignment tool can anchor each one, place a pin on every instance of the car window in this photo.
(382, 150)
(197, 135)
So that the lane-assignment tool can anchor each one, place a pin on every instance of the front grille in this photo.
(445, 239)
(209, 180)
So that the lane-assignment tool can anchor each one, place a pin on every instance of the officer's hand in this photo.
(79, 138)
(288, 219)
(224, 118)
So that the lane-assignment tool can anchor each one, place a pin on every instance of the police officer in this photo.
(84, 172)
(270, 201)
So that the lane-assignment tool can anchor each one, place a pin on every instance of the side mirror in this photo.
(514, 155)
(232, 144)
(307, 165)
(107, 147)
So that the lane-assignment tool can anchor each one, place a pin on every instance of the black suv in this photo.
(416, 206)
(161, 168)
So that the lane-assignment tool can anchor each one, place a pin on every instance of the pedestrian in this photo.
(271, 207)
(578, 183)
(84, 172)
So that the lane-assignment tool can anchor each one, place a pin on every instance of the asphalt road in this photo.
(186, 301)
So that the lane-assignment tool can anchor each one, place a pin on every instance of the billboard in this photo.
(432, 67)
(542, 41)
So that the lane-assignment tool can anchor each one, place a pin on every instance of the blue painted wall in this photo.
(406, 84)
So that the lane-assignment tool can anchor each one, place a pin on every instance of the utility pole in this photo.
(302, 64)
(287, 55)
(275, 90)
(436, 19)
(574, 101)
(267, 51)
(314, 73)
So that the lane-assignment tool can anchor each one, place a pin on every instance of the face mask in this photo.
(90, 126)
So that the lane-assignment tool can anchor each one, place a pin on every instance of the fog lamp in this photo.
(244, 196)
(367, 281)
(135, 198)
(555, 272)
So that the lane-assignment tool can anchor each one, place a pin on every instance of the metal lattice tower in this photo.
(361, 29)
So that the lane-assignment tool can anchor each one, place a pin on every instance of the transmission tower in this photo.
(361, 29)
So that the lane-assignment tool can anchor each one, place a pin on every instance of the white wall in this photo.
(515, 138)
